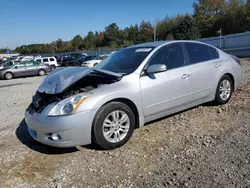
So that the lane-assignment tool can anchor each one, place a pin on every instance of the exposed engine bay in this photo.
(91, 81)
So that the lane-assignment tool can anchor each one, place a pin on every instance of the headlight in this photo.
(67, 106)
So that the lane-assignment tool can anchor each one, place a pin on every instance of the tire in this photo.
(8, 76)
(105, 114)
(41, 72)
(227, 90)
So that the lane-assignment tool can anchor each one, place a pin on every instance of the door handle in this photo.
(217, 66)
(185, 76)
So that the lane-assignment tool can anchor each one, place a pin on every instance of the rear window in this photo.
(214, 53)
(198, 52)
(51, 59)
(39, 60)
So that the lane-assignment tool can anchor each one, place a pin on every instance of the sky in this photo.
(43, 21)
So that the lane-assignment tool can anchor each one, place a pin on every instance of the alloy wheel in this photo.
(225, 90)
(116, 126)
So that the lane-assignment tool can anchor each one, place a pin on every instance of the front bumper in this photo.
(74, 130)
(1, 75)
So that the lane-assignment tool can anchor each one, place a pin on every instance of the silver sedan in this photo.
(27, 68)
(103, 105)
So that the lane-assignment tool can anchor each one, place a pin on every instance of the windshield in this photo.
(125, 61)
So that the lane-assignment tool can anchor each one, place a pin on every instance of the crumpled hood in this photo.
(61, 78)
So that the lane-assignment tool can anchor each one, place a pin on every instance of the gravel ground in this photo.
(206, 146)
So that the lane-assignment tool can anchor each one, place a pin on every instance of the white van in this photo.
(51, 61)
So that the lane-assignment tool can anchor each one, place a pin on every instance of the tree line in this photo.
(232, 16)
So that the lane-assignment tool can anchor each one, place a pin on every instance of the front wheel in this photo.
(113, 125)
(224, 90)
(8, 76)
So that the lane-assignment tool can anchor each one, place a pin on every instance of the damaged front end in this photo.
(66, 82)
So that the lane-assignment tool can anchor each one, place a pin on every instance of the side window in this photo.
(20, 65)
(73, 56)
(9, 63)
(214, 53)
(198, 52)
(51, 59)
(45, 60)
(171, 56)
(29, 64)
(39, 60)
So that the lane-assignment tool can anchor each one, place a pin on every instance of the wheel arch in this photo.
(42, 70)
(131, 105)
(232, 78)
(10, 73)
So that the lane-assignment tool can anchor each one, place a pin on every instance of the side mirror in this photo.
(157, 68)
(15, 67)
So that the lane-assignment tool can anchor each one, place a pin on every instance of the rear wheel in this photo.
(41, 72)
(113, 125)
(8, 76)
(224, 90)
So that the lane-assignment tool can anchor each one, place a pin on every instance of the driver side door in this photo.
(20, 69)
(165, 92)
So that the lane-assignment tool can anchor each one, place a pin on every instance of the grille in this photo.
(41, 100)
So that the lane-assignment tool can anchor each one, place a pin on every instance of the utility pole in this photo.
(220, 31)
(153, 31)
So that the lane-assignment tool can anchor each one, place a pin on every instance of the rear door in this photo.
(32, 67)
(166, 91)
(203, 64)
(45, 61)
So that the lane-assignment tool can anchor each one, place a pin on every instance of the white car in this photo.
(96, 61)
(51, 61)
(26, 58)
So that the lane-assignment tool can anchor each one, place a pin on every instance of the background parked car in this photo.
(27, 58)
(95, 61)
(77, 62)
(27, 68)
(6, 63)
(58, 58)
(72, 56)
(51, 61)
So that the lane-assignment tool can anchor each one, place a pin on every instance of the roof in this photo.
(151, 44)
(159, 43)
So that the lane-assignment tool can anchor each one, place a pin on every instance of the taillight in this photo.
(236, 59)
